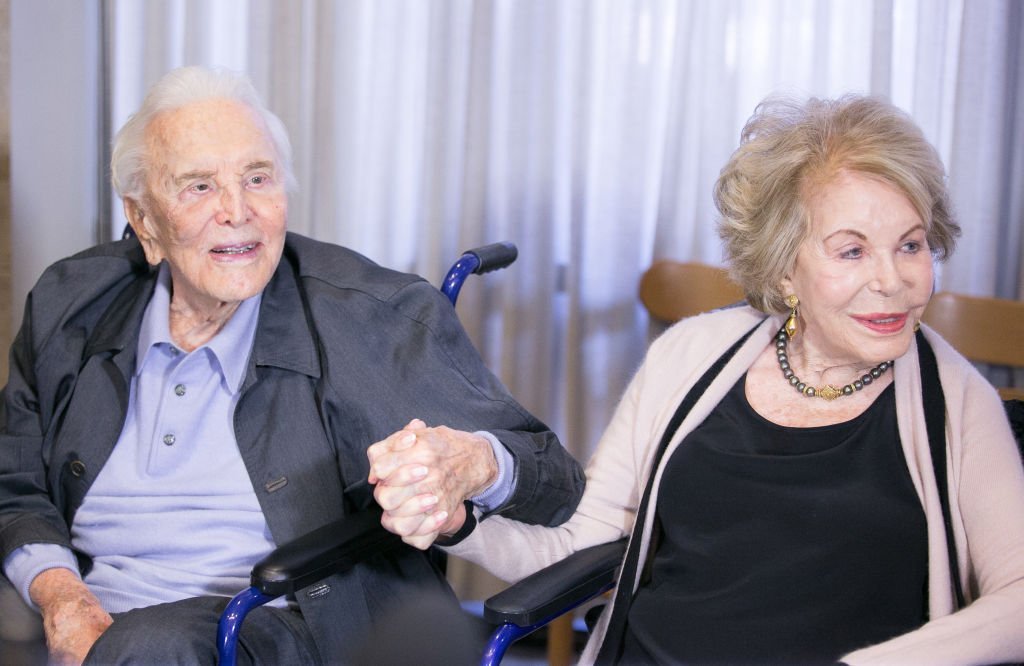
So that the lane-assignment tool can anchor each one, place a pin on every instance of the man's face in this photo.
(215, 205)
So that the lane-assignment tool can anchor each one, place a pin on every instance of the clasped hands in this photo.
(422, 476)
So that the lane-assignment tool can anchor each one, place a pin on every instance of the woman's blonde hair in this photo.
(790, 149)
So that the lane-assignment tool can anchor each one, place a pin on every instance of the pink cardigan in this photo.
(984, 468)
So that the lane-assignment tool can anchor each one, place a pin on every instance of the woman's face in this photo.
(864, 274)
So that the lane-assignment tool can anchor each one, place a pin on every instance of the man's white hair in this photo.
(176, 89)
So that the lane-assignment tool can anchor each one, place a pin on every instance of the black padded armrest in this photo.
(562, 585)
(333, 548)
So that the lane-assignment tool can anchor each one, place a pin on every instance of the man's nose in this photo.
(232, 206)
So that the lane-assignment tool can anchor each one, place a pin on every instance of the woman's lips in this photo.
(884, 322)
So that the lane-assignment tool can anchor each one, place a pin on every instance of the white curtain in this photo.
(588, 132)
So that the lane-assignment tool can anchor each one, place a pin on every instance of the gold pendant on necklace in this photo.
(829, 392)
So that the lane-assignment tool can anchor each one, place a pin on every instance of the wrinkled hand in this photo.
(72, 615)
(424, 474)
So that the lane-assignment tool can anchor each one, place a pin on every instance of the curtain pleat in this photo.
(588, 132)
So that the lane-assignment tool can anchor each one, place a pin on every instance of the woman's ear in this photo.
(140, 223)
(785, 286)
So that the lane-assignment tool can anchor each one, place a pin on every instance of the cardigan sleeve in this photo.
(513, 550)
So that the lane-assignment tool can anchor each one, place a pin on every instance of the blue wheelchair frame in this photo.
(337, 546)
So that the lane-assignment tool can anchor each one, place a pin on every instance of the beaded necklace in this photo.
(827, 392)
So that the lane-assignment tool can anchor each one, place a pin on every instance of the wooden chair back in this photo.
(986, 330)
(671, 290)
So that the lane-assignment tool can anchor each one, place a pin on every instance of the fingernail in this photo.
(428, 502)
(419, 472)
(440, 517)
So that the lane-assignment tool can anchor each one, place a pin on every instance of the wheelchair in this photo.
(517, 611)
(338, 546)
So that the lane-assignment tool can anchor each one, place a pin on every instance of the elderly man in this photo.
(180, 403)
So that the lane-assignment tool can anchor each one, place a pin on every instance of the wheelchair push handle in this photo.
(494, 257)
(477, 261)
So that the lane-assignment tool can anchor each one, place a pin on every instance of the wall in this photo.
(54, 137)
(5, 188)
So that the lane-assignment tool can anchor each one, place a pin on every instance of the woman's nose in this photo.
(887, 278)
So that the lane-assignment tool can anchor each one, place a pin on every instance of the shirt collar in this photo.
(231, 346)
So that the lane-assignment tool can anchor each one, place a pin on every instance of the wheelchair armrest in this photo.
(332, 548)
(553, 590)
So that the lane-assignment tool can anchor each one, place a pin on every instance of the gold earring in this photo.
(917, 326)
(792, 301)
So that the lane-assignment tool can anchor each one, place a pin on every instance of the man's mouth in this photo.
(234, 249)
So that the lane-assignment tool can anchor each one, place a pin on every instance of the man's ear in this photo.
(140, 223)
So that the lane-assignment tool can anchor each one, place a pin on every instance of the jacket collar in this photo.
(117, 330)
(284, 337)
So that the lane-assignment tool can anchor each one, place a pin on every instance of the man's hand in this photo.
(424, 474)
(72, 615)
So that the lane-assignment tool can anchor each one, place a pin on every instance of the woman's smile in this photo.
(885, 323)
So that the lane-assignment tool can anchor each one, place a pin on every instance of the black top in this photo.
(782, 545)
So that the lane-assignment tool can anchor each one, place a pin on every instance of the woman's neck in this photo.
(817, 368)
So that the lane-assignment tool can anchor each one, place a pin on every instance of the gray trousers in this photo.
(421, 630)
(185, 632)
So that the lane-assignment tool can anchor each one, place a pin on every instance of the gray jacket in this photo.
(345, 353)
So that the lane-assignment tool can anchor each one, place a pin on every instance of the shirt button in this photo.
(179, 390)
(168, 439)
(77, 468)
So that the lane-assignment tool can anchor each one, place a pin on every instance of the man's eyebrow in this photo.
(193, 175)
(259, 164)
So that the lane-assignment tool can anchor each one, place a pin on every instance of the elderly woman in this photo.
(790, 512)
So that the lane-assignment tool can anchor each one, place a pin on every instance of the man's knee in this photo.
(182, 632)
(185, 632)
